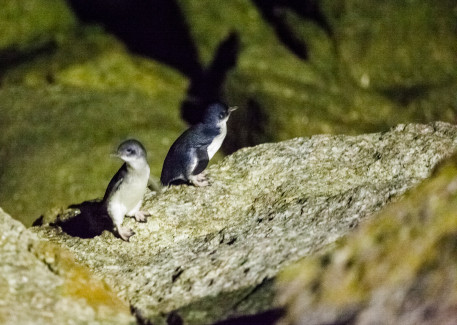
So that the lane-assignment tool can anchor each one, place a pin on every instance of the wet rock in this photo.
(40, 283)
(208, 254)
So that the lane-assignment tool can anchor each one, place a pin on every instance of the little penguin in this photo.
(125, 191)
(190, 153)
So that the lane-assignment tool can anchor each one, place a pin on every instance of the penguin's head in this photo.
(130, 151)
(217, 113)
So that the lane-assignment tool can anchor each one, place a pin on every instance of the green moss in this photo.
(395, 44)
(90, 58)
(411, 240)
(30, 24)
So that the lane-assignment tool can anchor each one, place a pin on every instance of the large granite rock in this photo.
(398, 268)
(208, 254)
(40, 283)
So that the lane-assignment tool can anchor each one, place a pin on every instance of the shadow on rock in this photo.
(85, 220)
(268, 317)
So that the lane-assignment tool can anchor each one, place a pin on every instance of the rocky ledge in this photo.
(210, 254)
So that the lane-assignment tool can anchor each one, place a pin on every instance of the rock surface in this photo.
(40, 283)
(207, 254)
(399, 268)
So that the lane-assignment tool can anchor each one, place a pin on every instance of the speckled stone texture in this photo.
(210, 253)
(399, 267)
(41, 284)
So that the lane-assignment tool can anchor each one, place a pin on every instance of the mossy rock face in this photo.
(89, 58)
(28, 25)
(399, 268)
(40, 283)
(395, 44)
(364, 68)
(267, 207)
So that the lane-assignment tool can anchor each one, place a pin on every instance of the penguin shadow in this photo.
(85, 220)
(206, 86)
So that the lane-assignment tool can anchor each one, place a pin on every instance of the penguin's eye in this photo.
(130, 151)
(221, 115)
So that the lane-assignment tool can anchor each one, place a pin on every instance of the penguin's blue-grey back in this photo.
(190, 153)
(194, 140)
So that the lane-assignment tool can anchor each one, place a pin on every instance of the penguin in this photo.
(190, 153)
(125, 191)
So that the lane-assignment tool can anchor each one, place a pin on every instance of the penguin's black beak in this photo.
(232, 109)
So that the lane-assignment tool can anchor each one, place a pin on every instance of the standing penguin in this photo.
(125, 191)
(190, 153)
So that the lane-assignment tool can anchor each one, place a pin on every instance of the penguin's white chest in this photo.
(217, 142)
(130, 194)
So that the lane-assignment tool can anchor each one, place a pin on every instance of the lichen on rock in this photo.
(267, 207)
(40, 283)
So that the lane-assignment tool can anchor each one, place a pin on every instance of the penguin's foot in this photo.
(140, 216)
(125, 233)
(202, 176)
(199, 180)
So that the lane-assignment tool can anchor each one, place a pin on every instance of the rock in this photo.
(207, 254)
(52, 105)
(31, 25)
(40, 283)
(397, 268)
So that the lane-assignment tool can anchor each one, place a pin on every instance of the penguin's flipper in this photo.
(202, 160)
(115, 182)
